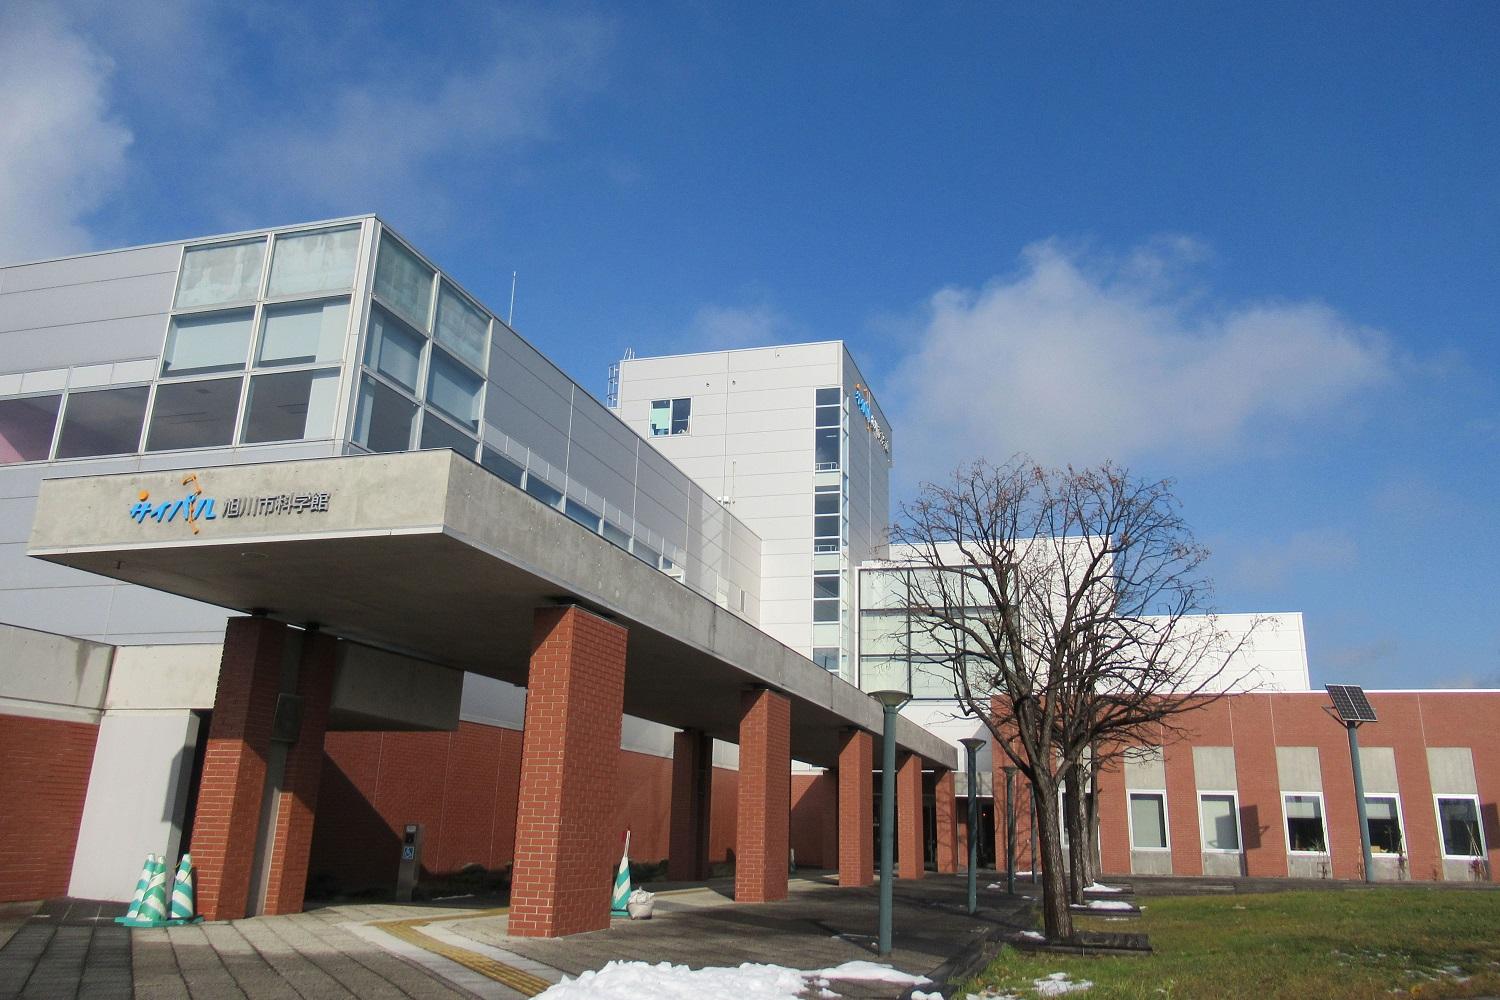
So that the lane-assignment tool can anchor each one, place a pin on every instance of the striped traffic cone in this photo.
(141, 885)
(622, 883)
(184, 902)
(153, 911)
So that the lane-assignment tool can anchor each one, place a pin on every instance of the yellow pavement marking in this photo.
(407, 930)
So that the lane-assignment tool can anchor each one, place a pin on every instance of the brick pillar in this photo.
(286, 882)
(692, 796)
(227, 819)
(909, 847)
(763, 824)
(566, 849)
(947, 830)
(857, 809)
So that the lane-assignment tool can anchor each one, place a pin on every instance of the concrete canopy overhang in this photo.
(430, 555)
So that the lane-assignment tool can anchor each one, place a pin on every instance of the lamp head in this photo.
(891, 698)
(973, 742)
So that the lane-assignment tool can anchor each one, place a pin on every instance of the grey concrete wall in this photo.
(1298, 769)
(1451, 770)
(1213, 768)
(52, 676)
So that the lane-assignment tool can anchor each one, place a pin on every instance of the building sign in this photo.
(863, 404)
(193, 507)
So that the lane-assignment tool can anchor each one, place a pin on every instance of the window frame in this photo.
(1437, 811)
(140, 437)
(1239, 832)
(57, 418)
(1166, 821)
(1286, 830)
(1400, 823)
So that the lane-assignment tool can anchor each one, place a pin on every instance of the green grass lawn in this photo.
(1357, 943)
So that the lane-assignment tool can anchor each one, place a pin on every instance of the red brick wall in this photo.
(39, 819)
(856, 806)
(815, 802)
(910, 848)
(762, 828)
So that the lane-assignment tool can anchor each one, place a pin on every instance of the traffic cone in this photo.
(184, 902)
(153, 911)
(141, 885)
(622, 883)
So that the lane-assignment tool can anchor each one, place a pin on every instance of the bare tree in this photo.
(1069, 608)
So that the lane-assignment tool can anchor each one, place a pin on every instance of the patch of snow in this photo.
(870, 971)
(1058, 984)
(1097, 887)
(634, 980)
(1109, 904)
(919, 995)
(1032, 935)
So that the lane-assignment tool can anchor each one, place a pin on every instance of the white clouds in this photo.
(1073, 359)
(61, 151)
(728, 328)
(1270, 565)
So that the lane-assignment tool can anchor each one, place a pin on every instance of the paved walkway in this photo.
(70, 949)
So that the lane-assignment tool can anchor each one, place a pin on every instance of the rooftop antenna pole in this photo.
(510, 317)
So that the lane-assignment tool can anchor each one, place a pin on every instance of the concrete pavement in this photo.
(70, 949)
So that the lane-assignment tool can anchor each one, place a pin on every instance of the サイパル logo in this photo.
(196, 508)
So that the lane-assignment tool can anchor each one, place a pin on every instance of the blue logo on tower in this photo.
(863, 405)
(195, 508)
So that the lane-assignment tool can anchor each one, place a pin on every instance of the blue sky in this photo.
(1253, 247)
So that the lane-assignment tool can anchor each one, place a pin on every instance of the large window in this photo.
(303, 333)
(1148, 821)
(291, 406)
(828, 429)
(383, 418)
(461, 327)
(670, 416)
(1219, 815)
(1458, 826)
(1383, 818)
(195, 414)
(826, 596)
(438, 433)
(1305, 833)
(103, 422)
(403, 282)
(454, 389)
(394, 349)
(826, 657)
(219, 274)
(199, 344)
(26, 427)
(309, 263)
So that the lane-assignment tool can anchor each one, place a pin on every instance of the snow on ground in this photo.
(1058, 984)
(1032, 935)
(638, 980)
(1098, 887)
(1109, 904)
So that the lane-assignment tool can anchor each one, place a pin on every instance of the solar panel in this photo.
(1350, 702)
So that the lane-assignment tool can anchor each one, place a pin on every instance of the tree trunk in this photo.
(1057, 920)
(1096, 861)
(1080, 872)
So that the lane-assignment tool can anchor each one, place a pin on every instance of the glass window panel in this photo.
(460, 327)
(382, 421)
(321, 261)
(1384, 824)
(825, 611)
(393, 348)
(217, 274)
(645, 553)
(1148, 819)
(1220, 833)
(543, 490)
(825, 586)
(616, 535)
(502, 466)
(826, 657)
(826, 397)
(303, 333)
(681, 410)
(826, 526)
(827, 416)
(438, 433)
(878, 673)
(197, 345)
(882, 633)
(403, 282)
(454, 389)
(826, 503)
(931, 680)
(26, 427)
(578, 512)
(1459, 819)
(882, 590)
(661, 417)
(1304, 824)
(826, 448)
(193, 414)
(291, 406)
(103, 422)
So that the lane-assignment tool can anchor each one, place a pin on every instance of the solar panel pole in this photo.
(1359, 800)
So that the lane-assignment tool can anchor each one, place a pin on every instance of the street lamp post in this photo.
(971, 746)
(891, 701)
